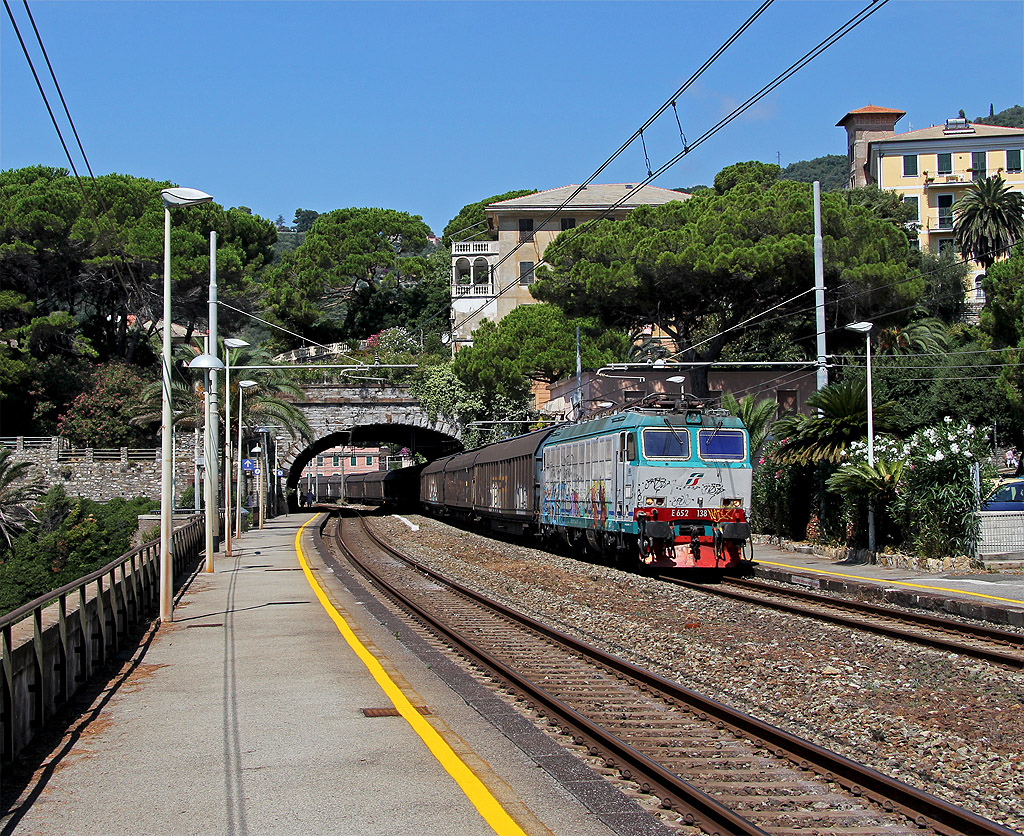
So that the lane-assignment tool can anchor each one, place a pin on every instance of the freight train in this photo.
(655, 487)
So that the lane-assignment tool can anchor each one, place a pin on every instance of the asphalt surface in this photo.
(246, 716)
(251, 714)
(995, 596)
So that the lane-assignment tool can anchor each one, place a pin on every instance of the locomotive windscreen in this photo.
(666, 444)
(722, 445)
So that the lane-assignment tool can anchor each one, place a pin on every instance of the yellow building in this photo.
(931, 168)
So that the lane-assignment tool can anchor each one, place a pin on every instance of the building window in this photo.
(570, 223)
(526, 229)
(946, 245)
(787, 400)
(525, 272)
(945, 202)
(319, 461)
(910, 165)
(1013, 161)
(369, 459)
(945, 163)
(915, 204)
(352, 460)
(337, 461)
(979, 165)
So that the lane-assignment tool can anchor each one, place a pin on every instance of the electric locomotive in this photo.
(659, 487)
(665, 488)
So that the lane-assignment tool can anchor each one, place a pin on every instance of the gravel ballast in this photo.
(949, 725)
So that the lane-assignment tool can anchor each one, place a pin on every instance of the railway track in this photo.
(720, 770)
(1003, 647)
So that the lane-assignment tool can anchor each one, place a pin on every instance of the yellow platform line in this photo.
(475, 790)
(894, 582)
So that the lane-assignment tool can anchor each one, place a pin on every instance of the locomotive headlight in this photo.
(732, 502)
(650, 500)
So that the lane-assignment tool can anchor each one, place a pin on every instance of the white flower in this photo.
(948, 419)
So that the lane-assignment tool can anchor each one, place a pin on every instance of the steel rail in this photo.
(1013, 658)
(890, 794)
(674, 792)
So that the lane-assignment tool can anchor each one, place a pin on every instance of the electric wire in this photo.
(670, 102)
(127, 287)
(831, 39)
(291, 333)
(60, 93)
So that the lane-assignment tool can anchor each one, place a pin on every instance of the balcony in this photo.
(945, 181)
(482, 289)
(941, 223)
(474, 247)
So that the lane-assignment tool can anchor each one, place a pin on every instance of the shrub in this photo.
(936, 493)
(74, 536)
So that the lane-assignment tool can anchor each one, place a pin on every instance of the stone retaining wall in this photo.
(962, 563)
(98, 475)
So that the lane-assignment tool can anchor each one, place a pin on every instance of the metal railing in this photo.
(1002, 533)
(19, 442)
(52, 646)
(474, 247)
(473, 289)
(66, 452)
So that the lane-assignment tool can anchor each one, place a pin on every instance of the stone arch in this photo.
(481, 270)
(387, 415)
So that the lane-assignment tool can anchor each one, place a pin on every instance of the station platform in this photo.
(993, 596)
(275, 704)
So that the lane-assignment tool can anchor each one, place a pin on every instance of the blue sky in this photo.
(427, 106)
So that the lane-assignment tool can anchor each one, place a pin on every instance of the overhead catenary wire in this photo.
(125, 286)
(56, 84)
(670, 102)
(286, 331)
(809, 56)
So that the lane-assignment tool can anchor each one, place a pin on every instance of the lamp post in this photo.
(242, 386)
(171, 198)
(209, 363)
(229, 343)
(865, 329)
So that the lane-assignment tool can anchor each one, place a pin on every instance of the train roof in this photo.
(513, 448)
(646, 418)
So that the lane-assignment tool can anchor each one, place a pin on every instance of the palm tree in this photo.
(15, 494)
(923, 336)
(267, 403)
(989, 219)
(756, 416)
(843, 419)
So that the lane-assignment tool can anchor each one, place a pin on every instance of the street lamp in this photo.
(208, 363)
(242, 386)
(229, 343)
(865, 329)
(171, 198)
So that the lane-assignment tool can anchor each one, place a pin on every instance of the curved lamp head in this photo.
(247, 384)
(860, 327)
(235, 342)
(676, 378)
(206, 361)
(184, 197)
